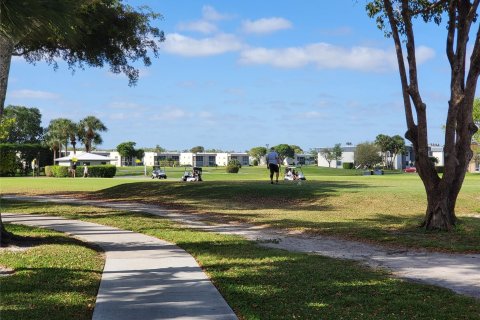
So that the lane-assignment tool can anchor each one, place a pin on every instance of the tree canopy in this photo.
(27, 127)
(367, 155)
(79, 32)
(197, 149)
(284, 151)
(257, 152)
(127, 149)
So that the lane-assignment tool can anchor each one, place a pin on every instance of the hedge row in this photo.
(103, 171)
(347, 165)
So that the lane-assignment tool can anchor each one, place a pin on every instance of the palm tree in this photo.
(88, 131)
(63, 130)
(54, 143)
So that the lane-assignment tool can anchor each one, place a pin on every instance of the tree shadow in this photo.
(236, 195)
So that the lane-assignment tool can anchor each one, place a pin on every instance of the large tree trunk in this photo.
(6, 49)
(440, 214)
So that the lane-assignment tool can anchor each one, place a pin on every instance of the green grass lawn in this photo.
(261, 283)
(57, 277)
(382, 209)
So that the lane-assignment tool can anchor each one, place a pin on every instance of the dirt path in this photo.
(458, 272)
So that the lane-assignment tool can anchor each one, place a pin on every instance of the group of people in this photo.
(73, 170)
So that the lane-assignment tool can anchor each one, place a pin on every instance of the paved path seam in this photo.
(458, 272)
(144, 278)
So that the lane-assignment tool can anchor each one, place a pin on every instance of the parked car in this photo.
(410, 170)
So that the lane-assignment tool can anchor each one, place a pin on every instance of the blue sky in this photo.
(237, 74)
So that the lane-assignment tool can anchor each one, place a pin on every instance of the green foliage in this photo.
(197, 149)
(83, 33)
(257, 152)
(6, 124)
(101, 171)
(127, 149)
(22, 153)
(88, 130)
(347, 165)
(296, 149)
(233, 166)
(284, 151)
(476, 118)
(367, 155)
(8, 163)
(27, 127)
(255, 162)
(48, 171)
(392, 146)
(337, 152)
(139, 153)
(328, 155)
(61, 130)
(56, 171)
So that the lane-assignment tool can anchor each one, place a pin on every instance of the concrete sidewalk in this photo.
(144, 278)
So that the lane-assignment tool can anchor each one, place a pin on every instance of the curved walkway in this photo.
(458, 272)
(144, 278)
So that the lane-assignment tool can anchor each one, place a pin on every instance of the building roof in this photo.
(84, 156)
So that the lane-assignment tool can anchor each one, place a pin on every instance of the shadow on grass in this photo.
(48, 293)
(37, 291)
(273, 284)
(236, 195)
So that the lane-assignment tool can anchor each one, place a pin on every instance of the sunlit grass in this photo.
(55, 277)
(260, 283)
(384, 209)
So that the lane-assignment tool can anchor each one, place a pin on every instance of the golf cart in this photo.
(158, 173)
(194, 175)
(293, 173)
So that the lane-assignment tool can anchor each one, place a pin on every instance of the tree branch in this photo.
(451, 33)
(430, 8)
(402, 70)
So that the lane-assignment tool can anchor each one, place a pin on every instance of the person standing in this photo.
(74, 169)
(273, 163)
(85, 171)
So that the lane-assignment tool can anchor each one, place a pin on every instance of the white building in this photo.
(401, 160)
(200, 159)
(224, 158)
(83, 159)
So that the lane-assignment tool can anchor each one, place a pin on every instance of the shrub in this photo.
(102, 171)
(48, 171)
(255, 162)
(58, 171)
(232, 169)
(347, 165)
(8, 163)
(233, 166)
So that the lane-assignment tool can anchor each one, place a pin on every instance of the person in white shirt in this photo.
(273, 163)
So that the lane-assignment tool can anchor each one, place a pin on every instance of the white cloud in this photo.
(424, 54)
(209, 13)
(171, 113)
(186, 46)
(201, 26)
(265, 25)
(33, 94)
(124, 105)
(328, 56)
